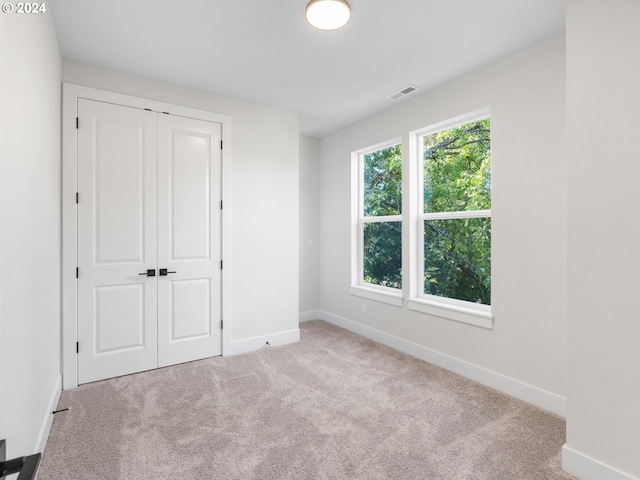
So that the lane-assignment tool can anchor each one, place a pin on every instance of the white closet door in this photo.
(189, 224)
(117, 225)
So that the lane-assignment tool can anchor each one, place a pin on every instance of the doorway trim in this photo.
(70, 95)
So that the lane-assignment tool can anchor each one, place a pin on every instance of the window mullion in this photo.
(381, 219)
(454, 215)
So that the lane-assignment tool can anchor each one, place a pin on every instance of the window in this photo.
(454, 220)
(378, 218)
(446, 221)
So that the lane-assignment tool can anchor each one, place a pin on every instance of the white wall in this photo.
(2, 428)
(309, 227)
(265, 151)
(30, 240)
(603, 100)
(525, 353)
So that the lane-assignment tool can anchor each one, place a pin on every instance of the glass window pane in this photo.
(457, 168)
(383, 182)
(457, 259)
(383, 254)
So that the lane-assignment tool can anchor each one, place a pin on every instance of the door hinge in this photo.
(221, 266)
(77, 197)
(221, 147)
(77, 123)
(220, 204)
(77, 272)
(221, 324)
(77, 347)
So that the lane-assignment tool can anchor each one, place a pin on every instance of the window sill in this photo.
(389, 297)
(469, 315)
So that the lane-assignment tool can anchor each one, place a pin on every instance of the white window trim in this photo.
(390, 296)
(359, 287)
(452, 309)
(466, 312)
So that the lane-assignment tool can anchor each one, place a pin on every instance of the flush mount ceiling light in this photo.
(328, 14)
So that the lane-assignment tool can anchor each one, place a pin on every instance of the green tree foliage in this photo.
(457, 259)
(383, 254)
(383, 182)
(457, 177)
(383, 196)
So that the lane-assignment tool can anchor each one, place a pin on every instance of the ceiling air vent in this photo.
(405, 91)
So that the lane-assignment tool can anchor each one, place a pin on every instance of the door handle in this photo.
(149, 273)
(164, 271)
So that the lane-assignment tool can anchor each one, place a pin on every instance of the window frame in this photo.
(359, 287)
(446, 307)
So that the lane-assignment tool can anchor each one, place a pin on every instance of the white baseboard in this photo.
(255, 343)
(310, 315)
(47, 421)
(587, 468)
(536, 396)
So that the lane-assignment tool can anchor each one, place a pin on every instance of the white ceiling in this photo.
(263, 51)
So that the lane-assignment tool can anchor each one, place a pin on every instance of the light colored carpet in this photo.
(333, 406)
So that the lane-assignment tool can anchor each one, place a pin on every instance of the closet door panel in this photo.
(189, 233)
(117, 229)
